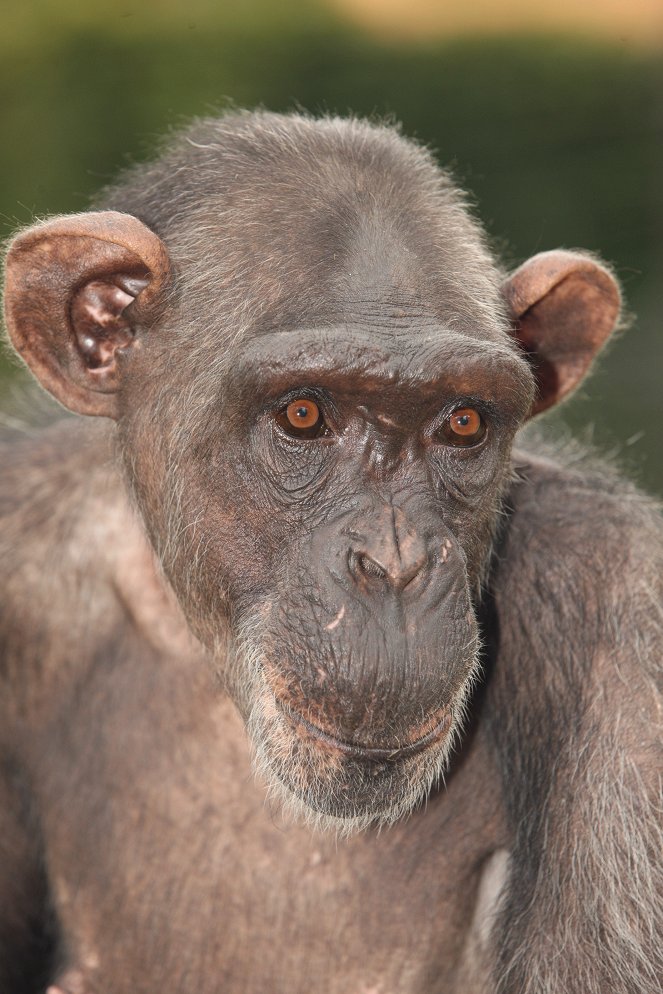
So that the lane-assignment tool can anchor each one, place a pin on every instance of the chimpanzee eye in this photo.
(302, 418)
(463, 427)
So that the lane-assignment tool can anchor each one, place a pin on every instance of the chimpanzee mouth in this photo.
(338, 770)
(432, 731)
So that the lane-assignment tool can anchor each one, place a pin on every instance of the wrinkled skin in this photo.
(359, 672)
(363, 605)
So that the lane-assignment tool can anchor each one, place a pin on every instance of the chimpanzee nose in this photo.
(391, 557)
(388, 574)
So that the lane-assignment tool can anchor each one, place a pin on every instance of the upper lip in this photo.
(355, 751)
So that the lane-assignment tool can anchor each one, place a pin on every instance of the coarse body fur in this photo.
(136, 841)
(140, 622)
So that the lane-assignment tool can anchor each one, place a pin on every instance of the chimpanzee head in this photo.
(317, 370)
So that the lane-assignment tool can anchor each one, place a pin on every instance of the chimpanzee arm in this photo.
(576, 716)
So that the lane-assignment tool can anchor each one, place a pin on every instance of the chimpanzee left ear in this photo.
(564, 306)
(79, 290)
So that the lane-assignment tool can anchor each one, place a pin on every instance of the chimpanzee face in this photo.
(344, 503)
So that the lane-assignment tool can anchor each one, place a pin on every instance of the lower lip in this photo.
(437, 732)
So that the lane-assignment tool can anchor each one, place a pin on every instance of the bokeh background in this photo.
(551, 114)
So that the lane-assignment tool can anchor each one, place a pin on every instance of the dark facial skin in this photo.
(349, 561)
(299, 541)
(383, 528)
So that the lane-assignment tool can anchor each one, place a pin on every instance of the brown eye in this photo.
(302, 418)
(463, 427)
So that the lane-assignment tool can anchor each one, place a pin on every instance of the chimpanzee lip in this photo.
(441, 723)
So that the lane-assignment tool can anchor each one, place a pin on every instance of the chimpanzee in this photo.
(299, 537)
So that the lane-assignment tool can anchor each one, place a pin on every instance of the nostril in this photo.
(409, 573)
(369, 567)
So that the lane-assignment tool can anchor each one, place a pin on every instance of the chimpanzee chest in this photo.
(227, 895)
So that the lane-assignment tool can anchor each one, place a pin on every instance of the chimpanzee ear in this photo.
(77, 291)
(564, 306)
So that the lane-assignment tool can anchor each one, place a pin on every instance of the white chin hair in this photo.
(290, 780)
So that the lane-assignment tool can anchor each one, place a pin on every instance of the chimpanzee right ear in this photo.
(77, 291)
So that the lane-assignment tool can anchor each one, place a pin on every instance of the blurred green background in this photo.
(556, 132)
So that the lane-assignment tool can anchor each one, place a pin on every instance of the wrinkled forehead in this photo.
(420, 273)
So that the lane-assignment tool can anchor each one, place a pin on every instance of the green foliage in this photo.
(557, 138)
